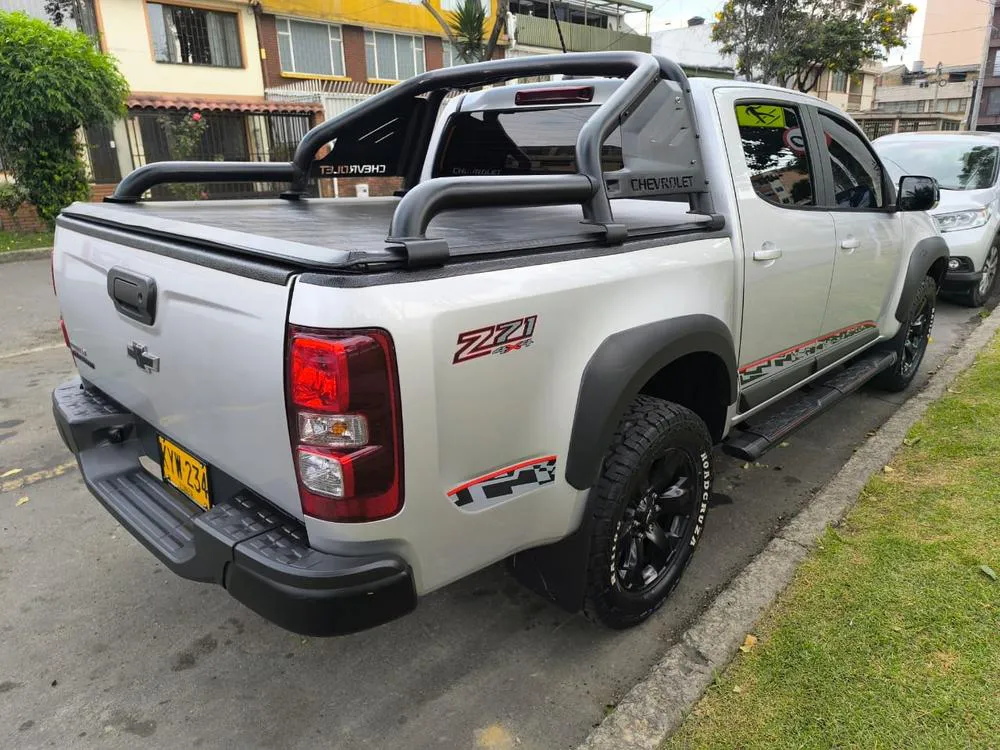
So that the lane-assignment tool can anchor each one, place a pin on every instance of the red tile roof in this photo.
(186, 104)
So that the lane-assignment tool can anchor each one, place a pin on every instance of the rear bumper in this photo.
(260, 556)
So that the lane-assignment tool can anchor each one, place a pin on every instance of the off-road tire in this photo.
(908, 360)
(653, 433)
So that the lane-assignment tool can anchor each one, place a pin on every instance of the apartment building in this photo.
(920, 100)
(989, 98)
(953, 32)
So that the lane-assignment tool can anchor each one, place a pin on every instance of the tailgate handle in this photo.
(134, 296)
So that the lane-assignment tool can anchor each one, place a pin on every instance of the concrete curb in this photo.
(31, 254)
(654, 708)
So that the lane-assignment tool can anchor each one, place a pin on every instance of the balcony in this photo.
(532, 31)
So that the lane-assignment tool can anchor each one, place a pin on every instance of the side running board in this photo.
(752, 442)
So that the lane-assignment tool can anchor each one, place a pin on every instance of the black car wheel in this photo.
(651, 503)
(910, 343)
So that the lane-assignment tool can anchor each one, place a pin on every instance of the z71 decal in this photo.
(504, 484)
(499, 338)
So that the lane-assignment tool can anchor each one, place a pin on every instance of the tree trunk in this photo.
(441, 21)
(499, 23)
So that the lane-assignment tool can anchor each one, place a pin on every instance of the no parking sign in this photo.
(794, 140)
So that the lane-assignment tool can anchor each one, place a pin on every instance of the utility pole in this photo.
(938, 70)
(978, 98)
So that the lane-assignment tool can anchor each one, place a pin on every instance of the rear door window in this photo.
(777, 153)
(519, 142)
(858, 181)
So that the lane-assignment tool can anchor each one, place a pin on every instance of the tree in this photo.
(794, 41)
(54, 83)
(465, 28)
(468, 24)
(184, 136)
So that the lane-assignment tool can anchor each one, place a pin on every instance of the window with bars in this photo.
(193, 36)
(310, 48)
(993, 102)
(393, 57)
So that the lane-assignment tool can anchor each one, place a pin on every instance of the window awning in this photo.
(182, 103)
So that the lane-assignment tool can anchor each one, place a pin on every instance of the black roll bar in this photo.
(142, 179)
(421, 203)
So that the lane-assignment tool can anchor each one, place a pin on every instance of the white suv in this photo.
(965, 166)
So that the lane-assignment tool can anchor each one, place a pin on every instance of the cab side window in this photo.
(857, 175)
(776, 153)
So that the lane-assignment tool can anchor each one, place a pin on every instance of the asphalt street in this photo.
(103, 647)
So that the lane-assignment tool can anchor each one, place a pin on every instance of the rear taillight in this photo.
(343, 402)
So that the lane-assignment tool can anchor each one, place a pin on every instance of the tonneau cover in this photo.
(329, 234)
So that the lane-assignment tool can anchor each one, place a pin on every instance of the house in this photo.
(691, 46)
(185, 62)
(192, 60)
(543, 27)
(851, 92)
(911, 100)
(340, 53)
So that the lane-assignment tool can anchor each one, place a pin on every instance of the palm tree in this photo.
(468, 25)
(466, 28)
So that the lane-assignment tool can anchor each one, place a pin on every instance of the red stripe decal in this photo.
(797, 347)
(500, 472)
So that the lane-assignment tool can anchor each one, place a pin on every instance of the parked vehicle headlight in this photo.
(956, 220)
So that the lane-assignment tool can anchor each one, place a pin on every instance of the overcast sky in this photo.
(676, 12)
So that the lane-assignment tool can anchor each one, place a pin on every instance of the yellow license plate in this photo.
(185, 472)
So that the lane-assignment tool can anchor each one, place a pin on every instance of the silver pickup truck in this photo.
(584, 286)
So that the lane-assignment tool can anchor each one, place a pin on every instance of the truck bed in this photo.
(335, 234)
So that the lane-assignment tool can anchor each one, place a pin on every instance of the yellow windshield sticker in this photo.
(760, 116)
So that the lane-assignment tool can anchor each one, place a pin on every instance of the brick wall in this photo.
(100, 192)
(26, 220)
(267, 30)
(433, 52)
(354, 52)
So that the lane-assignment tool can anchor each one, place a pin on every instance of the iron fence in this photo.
(227, 136)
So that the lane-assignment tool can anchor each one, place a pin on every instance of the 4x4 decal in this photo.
(768, 365)
(499, 338)
(504, 484)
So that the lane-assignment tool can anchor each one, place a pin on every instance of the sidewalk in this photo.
(889, 635)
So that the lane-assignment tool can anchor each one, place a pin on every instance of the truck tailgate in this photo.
(216, 385)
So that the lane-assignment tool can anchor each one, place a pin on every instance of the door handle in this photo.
(767, 252)
(850, 243)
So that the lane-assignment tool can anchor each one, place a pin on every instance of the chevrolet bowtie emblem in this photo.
(142, 357)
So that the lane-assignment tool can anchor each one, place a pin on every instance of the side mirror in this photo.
(917, 193)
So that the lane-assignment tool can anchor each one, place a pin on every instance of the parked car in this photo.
(966, 168)
(275, 397)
